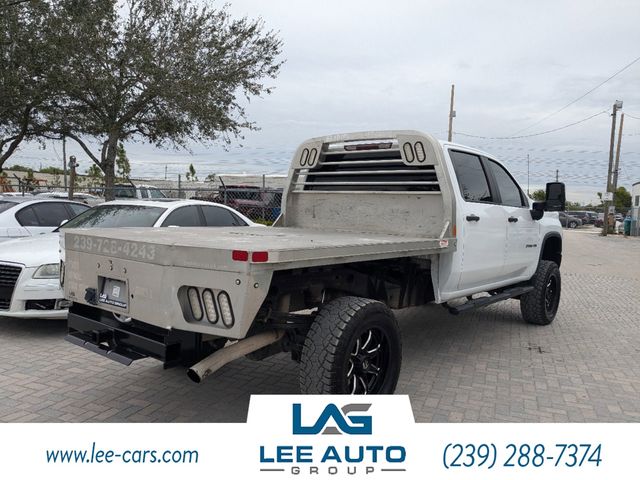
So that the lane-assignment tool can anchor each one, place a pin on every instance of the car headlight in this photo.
(50, 270)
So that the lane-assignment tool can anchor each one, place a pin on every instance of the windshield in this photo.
(4, 205)
(124, 191)
(155, 193)
(109, 216)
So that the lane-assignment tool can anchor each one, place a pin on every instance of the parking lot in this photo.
(486, 365)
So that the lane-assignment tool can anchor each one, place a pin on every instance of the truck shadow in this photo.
(86, 387)
(32, 327)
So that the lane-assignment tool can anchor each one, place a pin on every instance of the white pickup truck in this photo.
(370, 222)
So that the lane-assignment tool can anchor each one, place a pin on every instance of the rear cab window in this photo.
(472, 180)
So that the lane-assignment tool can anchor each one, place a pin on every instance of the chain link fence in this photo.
(260, 204)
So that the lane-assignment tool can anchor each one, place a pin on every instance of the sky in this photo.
(355, 65)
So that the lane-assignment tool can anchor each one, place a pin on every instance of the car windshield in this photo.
(155, 193)
(109, 216)
(124, 191)
(5, 205)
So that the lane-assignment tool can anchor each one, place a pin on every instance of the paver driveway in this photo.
(486, 365)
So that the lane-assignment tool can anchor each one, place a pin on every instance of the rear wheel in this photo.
(352, 347)
(540, 305)
(573, 225)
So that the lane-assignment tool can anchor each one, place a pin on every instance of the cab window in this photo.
(472, 180)
(510, 193)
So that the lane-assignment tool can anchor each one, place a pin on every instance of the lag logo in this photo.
(346, 423)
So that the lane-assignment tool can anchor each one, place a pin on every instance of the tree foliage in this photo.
(94, 176)
(539, 195)
(164, 71)
(122, 162)
(191, 173)
(26, 62)
(622, 199)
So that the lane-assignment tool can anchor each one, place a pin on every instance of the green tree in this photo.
(18, 168)
(191, 173)
(168, 72)
(122, 162)
(539, 195)
(622, 200)
(26, 61)
(52, 170)
(94, 176)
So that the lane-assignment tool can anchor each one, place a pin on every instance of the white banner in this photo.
(293, 436)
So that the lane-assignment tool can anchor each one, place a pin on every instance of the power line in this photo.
(631, 116)
(579, 98)
(533, 134)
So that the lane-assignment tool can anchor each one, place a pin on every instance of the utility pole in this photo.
(557, 173)
(72, 175)
(64, 160)
(452, 113)
(617, 162)
(616, 106)
(527, 174)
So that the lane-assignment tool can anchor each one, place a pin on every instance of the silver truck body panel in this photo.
(350, 198)
(155, 265)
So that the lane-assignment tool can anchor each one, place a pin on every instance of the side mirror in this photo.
(555, 198)
(537, 211)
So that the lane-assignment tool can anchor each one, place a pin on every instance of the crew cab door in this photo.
(483, 224)
(522, 242)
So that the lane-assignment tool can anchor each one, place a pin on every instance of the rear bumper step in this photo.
(124, 343)
(125, 357)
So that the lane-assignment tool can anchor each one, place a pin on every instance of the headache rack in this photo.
(373, 166)
(384, 177)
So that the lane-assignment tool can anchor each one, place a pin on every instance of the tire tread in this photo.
(320, 351)
(532, 303)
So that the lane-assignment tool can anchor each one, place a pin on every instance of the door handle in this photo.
(473, 218)
(513, 219)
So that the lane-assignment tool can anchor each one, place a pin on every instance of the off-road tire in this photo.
(540, 305)
(335, 346)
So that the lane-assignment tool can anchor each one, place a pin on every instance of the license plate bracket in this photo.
(114, 293)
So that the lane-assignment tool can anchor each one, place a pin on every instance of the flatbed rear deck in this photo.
(286, 247)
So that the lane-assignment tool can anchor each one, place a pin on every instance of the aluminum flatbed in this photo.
(285, 247)
(370, 222)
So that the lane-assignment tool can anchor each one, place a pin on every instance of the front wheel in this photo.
(352, 347)
(540, 305)
(573, 225)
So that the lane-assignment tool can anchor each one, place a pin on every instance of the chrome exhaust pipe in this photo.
(220, 358)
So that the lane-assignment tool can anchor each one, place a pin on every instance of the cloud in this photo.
(360, 65)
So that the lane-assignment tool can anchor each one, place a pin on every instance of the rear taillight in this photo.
(210, 306)
(243, 256)
(260, 257)
(194, 303)
(226, 311)
(240, 256)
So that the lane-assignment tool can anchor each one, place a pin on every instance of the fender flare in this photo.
(548, 236)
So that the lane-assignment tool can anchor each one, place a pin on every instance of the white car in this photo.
(140, 191)
(27, 216)
(82, 197)
(29, 267)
